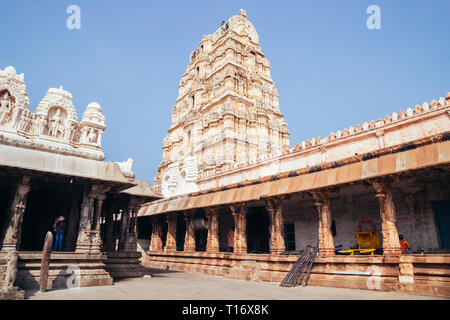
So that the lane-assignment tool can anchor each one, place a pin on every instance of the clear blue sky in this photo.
(332, 72)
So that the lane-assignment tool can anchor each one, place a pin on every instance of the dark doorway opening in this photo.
(289, 236)
(258, 234)
(201, 232)
(165, 227)
(442, 217)
(181, 232)
(144, 228)
(45, 203)
(226, 223)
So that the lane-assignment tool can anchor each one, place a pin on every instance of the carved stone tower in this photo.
(227, 113)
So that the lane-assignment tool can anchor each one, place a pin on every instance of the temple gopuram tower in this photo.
(227, 113)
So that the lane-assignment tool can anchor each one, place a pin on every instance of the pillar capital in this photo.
(321, 197)
(209, 211)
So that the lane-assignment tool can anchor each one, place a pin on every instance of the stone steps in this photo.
(124, 265)
(89, 269)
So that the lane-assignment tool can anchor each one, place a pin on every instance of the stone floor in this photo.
(173, 285)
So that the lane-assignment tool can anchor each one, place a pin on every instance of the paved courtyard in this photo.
(173, 285)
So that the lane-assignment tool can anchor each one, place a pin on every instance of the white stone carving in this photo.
(53, 127)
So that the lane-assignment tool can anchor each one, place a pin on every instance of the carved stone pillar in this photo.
(240, 223)
(89, 239)
(96, 243)
(391, 242)
(326, 241)
(125, 220)
(189, 242)
(13, 235)
(275, 210)
(109, 229)
(171, 242)
(156, 241)
(131, 236)
(71, 232)
(212, 244)
(84, 238)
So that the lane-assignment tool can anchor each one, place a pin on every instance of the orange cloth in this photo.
(404, 244)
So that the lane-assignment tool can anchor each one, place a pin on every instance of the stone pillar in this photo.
(13, 235)
(89, 239)
(109, 240)
(156, 241)
(71, 232)
(171, 242)
(212, 244)
(240, 224)
(275, 210)
(189, 242)
(326, 241)
(96, 244)
(131, 237)
(84, 238)
(391, 242)
(125, 221)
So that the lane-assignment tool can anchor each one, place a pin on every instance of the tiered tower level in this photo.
(227, 113)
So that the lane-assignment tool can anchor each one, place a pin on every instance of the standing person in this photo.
(230, 239)
(58, 227)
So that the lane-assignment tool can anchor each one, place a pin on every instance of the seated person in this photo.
(405, 246)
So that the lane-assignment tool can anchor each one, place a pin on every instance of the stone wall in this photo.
(415, 221)
(426, 274)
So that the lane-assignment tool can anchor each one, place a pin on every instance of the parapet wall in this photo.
(399, 129)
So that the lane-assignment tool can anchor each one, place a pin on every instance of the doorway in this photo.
(442, 217)
(258, 233)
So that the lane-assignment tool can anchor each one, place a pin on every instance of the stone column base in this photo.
(276, 251)
(392, 252)
(325, 252)
(212, 249)
(89, 241)
(130, 243)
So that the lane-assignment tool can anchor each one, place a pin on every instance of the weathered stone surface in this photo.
(46, 254)
(86, 269)
(358, 272)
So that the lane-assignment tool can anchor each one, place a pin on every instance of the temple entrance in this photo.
(226, 223)
(181, 232)
(45, 203)
(144, 232)
(442, 215)
(258, 233)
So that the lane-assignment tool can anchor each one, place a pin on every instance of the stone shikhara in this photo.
(227, 113)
